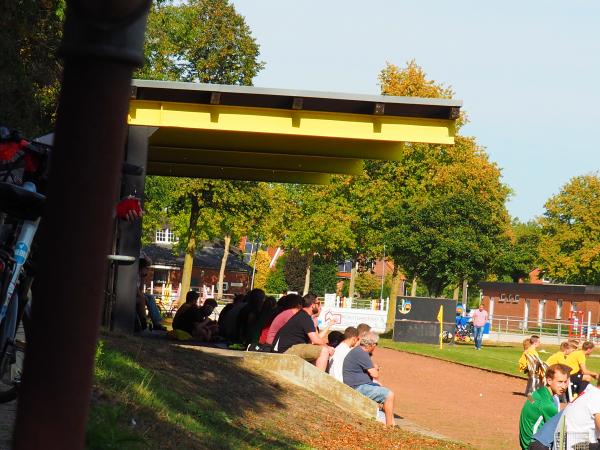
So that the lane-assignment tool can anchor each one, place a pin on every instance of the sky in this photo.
(528, 72)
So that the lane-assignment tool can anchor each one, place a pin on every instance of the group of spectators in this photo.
(290, 325)
(565, 381)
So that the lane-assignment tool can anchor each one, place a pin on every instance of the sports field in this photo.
(497, 357)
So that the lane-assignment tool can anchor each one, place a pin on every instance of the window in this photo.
(516, 298)
(225, 286)
(165, 236)
(559, 305)
(510, 298)
(345, 266)
(502, 298)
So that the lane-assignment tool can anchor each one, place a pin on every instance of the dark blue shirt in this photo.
(356, 364)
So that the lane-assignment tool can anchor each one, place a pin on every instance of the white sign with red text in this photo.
(341, 318)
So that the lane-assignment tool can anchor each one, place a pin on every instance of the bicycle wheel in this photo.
(12, 353)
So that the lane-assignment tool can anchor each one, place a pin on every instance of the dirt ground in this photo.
(466, 404)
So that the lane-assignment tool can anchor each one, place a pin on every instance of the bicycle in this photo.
(23, 166)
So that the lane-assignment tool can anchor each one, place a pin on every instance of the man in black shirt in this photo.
(191, 318)
(299, 336)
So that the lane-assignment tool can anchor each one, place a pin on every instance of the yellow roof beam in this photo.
(276, 143)
(256, 160)
(235, 173)
(291, 122)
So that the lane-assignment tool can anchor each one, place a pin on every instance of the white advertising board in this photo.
(351, 317)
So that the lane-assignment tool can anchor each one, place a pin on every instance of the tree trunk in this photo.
(455, 293)
(465, 296)
(413, 288)
(190, 250)
(223, 265)
(397, 289)
(307, 276)
(353, 273)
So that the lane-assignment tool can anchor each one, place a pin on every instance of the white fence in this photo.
(559, 329)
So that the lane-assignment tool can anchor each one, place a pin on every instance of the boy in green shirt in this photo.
(542, 404)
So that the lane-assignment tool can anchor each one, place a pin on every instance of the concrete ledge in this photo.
(302, 373)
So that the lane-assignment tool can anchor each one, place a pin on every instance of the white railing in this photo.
(546, 327)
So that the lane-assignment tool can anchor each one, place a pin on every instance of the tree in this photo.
(313, 232)
(204, 41)
(417, 190)
(570, 242)
(294, 270)
(518, 252)
(261, 275)
(323, 277)
(276, 279)
(30, 76)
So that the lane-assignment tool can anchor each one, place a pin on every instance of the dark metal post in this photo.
(75, 235)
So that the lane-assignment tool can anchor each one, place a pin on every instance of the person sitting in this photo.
(335, 338)
(287, 307)
(248, 315)
(582, 419)
(143, 300)
(542, 404)
(361, 374)
(228, 323)
(580, 374)
(336, 363)
(299, 336)
(195, 320)
(560, 357)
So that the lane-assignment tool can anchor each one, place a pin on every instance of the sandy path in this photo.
(466, 404)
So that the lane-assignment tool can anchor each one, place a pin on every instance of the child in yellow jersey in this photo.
(580, 375)
(560, 357)
(530, 363)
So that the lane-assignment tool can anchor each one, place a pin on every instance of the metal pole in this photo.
(76, 232)
(382, 273)
(254, 265)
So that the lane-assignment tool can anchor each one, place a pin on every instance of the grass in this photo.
(498, 357)
(153, 394)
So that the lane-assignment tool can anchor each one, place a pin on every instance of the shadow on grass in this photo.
(152, 394)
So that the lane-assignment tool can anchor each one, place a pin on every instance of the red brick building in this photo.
(534, 301)
(167, 266)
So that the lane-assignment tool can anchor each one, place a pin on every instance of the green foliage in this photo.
(323, 278)
(30, 75)
(203, 41)
(445, 211)
(276, 283)
(321, 221)
(570, 243)
(367, 285)
(518, 252)
(294, 270)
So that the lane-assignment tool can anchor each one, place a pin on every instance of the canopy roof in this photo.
(250, 133)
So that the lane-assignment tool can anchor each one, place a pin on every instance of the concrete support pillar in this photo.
(130, 233)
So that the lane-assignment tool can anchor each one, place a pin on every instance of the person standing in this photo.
(480, 318)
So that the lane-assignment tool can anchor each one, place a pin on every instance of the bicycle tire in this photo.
(12, 355)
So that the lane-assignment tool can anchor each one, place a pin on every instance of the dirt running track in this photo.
(466, 404)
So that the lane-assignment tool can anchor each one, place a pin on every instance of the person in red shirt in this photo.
(480, 318)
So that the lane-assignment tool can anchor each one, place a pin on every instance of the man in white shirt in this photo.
(582, 417)
(336, 363)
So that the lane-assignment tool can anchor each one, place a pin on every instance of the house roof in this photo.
(545, 288)
(208, 257)
(252, 133)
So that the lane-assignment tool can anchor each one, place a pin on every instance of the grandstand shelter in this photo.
(250, 133)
